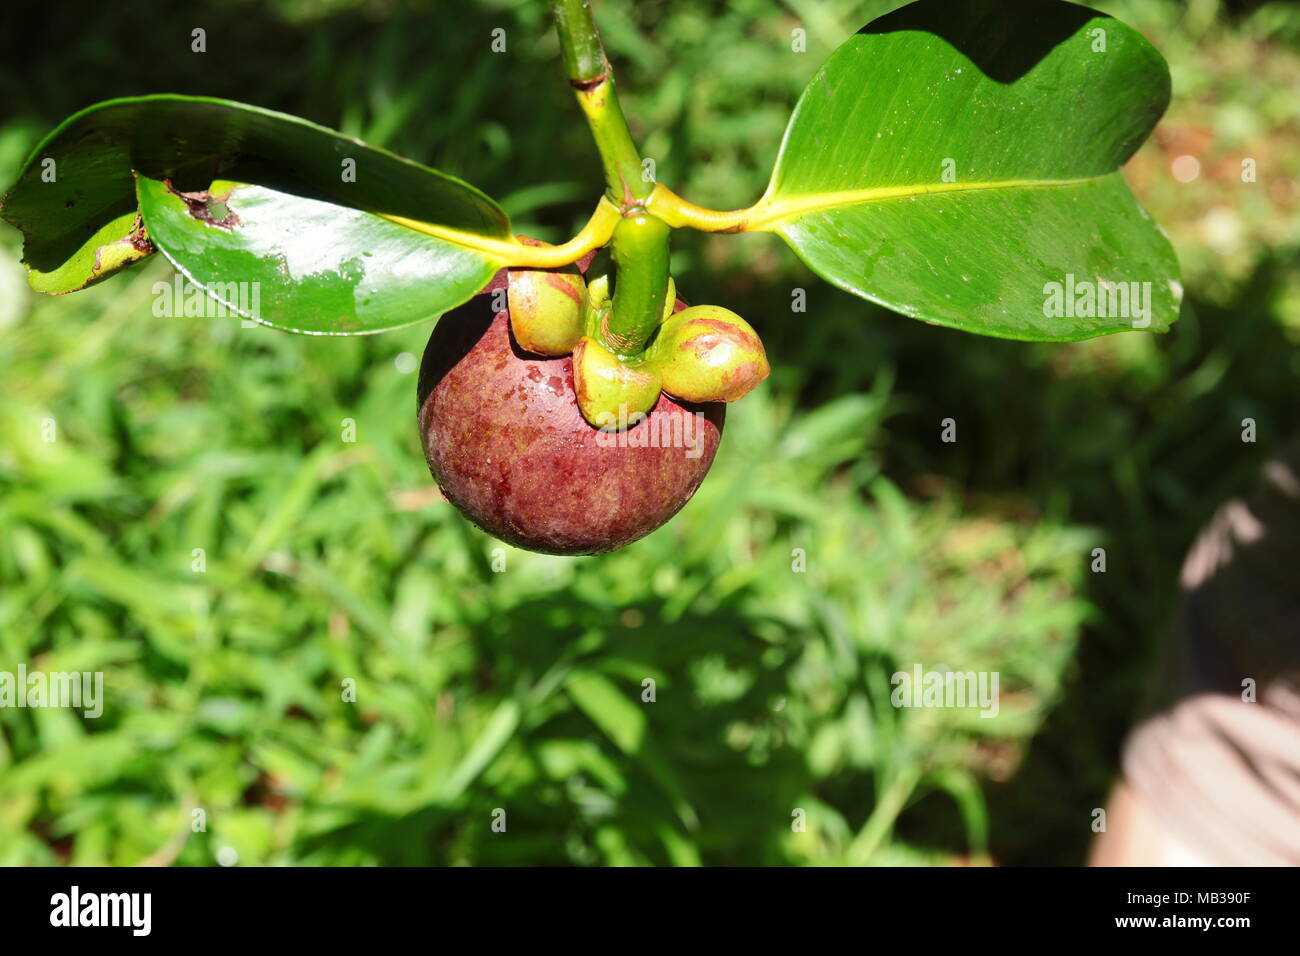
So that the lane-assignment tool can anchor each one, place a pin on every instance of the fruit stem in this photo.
(640, 248)
(592, 80)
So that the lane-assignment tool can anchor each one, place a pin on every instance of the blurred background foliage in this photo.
(521, 690)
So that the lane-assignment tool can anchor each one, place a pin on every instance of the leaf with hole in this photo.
(958, 163)
(306, 265)
(320, 219)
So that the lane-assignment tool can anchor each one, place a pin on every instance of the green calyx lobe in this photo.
(704, 353)
(610, 389)
(547, 309)
(699, 354)
(708, 354)
(630, 293)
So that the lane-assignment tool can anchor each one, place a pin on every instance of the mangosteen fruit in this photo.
(506, 441)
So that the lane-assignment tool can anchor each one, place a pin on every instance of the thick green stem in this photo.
(641, 284)
(593, 83)
(584, 57)
(640, 240)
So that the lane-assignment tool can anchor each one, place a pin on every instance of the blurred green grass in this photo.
(521, 690)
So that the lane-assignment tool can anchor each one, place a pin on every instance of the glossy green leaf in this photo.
(76, 204)
(958, 164)
(119, 243)
(305, 265)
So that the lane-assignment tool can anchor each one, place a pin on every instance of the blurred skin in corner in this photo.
(1212, 774)
(1135, 836)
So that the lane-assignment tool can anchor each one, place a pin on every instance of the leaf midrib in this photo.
(769, 215)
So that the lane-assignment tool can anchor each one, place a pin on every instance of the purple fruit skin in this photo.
(504, 439)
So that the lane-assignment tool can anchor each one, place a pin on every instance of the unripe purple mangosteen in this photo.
(505, 440)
